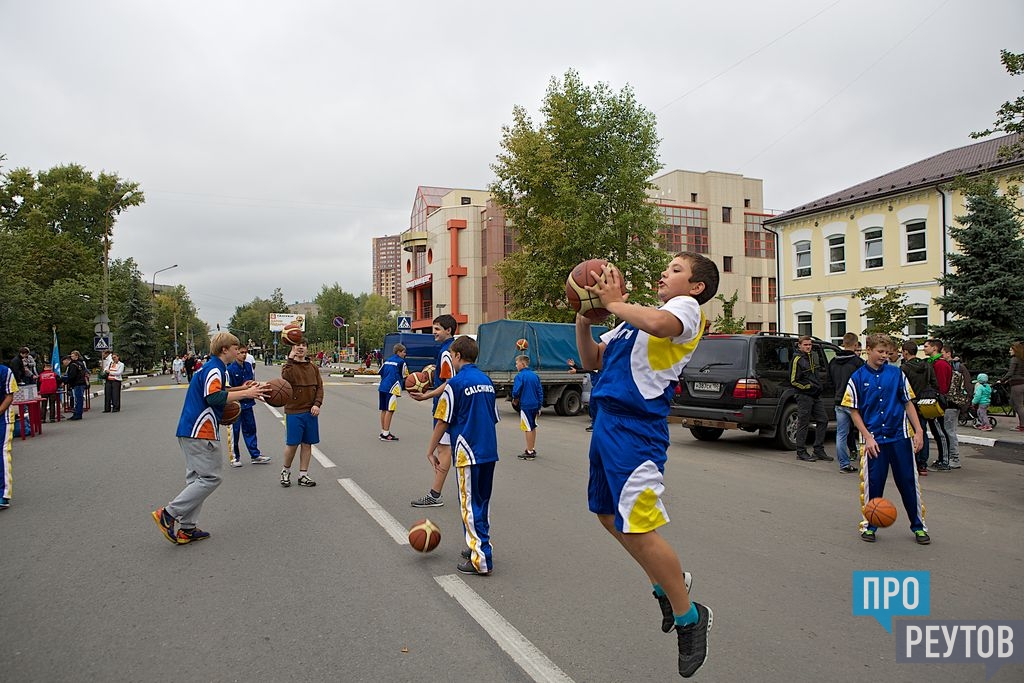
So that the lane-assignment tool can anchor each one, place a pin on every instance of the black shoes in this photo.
(668, 619)
(849, 468)
(693, 641)
(468, 568)
(823, 456)
(527, 455)
(805, 457)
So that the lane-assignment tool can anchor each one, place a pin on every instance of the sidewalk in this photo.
(1003, 434)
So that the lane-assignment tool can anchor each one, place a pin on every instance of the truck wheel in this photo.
(706, 433)
(569, 403)
(785, 434)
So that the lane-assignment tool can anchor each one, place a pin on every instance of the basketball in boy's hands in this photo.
(417, 381)
(581, 300)
(291, 334)
(424, 536)
(280, 392)
(880, 512)
(232, 409)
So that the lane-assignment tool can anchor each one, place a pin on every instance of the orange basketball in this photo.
(424, 535)
(291, 334)
(880, 512)
(280, 392)
(417, 381)
(232, 409)
(581, 300)
(522, 345)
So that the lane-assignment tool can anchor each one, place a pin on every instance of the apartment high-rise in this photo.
(387, 263)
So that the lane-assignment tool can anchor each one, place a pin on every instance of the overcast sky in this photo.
(274, 139)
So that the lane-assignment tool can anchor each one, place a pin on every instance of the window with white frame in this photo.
(873, 248)
(837, 254)
(917, 325)
(802, 251)
(804, 324)
(836, 327)
(917, 242)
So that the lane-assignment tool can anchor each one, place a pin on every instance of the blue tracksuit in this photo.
(240, 373)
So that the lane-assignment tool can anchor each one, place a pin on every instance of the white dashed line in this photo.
(524, 653)
(383, 517)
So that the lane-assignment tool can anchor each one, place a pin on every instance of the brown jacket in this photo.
(307, 386)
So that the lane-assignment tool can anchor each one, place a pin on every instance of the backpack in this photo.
(958, 395)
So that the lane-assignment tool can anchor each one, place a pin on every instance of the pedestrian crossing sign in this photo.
(101, 343)
(405, 323)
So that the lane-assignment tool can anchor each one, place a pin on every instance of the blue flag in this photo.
(55, 356)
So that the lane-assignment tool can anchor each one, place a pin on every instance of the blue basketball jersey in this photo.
(200, 420)
(392, 375)
(881, 396)
(467, 405)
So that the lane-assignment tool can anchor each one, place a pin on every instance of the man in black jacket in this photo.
(839, 371)
(77, 379)
(803, 377)
(922, 380)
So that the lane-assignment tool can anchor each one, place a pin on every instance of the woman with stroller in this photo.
(1014, 379)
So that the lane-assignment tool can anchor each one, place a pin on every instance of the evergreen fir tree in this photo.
(137, 345)
(983, 291)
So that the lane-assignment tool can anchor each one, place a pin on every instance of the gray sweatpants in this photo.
(203, 463)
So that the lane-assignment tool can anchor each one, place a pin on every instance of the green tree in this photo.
(252, 320)
(333, 301)
(136, 339)
(725, 323)
(980, 292)
(1010, 116)
(574, 187)
(887, 311)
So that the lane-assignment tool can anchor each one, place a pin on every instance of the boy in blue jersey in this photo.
(881, 406)
(467, 412)
(240, 372)
(7, 389)
(392, 380)
(444, 332)
(528, 399)
(199, 437)
(640, 362)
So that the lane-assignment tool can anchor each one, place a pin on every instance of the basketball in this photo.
(417, 381)
(280, 392)
(291, 334)
(424, 536)
(430, 370)
(522, 345)
(880, 512)
(232, 409)
(582, 301)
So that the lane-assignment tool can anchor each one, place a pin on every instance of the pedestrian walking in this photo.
(1014, 377)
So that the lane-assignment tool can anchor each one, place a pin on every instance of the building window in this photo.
(693, 196)
(836, 327)
(802, 252)
(773, 290)
(773, 327)
(917, 326)
(837, 254)
(804, 324)
(727, 214)
(917, 246)
(727, 264)
(746, 203)
(757, 242)
(873, 248)
(755, 327)
(683, 229)
(755, 290)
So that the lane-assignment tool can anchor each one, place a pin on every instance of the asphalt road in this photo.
(305, 585)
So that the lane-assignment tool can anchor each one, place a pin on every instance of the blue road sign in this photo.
(339, 321)
(405, 323)
(101, 342)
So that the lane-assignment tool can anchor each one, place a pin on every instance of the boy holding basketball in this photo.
(640, 362)
(466, 412)
(528, 399)
(199, 437)
(444, 332)
(392, 378)
(881, 406)
(302, 427)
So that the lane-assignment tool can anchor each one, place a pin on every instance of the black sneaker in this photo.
(868, 535)
(468, 568)
(527, 455)
(465, 554)
(805, 457)
(939, 467)
(164, 520)
(427, 501)
(693, 641)
(286, 478)
(668, 619)
(922, 537)
(388, 437)
(304, 480)
(823, 456)
(849, 468)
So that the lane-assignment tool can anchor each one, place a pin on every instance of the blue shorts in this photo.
(627, 468)
(301, 428)
(387, 401)
(528, 419)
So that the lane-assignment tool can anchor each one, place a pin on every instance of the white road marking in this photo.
(524, 653)
(383, 517)
(324, 461)
(976, 440)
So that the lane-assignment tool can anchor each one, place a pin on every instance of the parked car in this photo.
(739, 381)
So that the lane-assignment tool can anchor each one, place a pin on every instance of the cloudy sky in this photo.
(274, 139)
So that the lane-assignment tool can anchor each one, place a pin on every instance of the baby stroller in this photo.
(969, 415)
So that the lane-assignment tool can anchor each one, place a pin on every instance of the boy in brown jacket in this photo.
(301, 423)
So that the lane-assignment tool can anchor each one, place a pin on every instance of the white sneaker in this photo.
(261, 460)
(236, 463)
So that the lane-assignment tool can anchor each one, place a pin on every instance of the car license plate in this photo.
(707, 386)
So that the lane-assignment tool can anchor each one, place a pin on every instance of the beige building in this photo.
(387, 265)
(888, 232)
(721, 215)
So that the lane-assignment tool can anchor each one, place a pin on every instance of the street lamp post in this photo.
(160, 271)
(359, 324)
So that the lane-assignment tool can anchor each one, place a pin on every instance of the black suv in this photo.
(741, 381)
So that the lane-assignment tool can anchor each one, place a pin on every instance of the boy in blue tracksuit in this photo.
(528, 398)
(881, 406)
(8, 387)
(240, 372)
(467, 412)
(392, 380)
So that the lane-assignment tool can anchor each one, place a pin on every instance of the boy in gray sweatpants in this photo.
(199, 438)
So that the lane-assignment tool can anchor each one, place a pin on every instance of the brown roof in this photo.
(969, 160)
